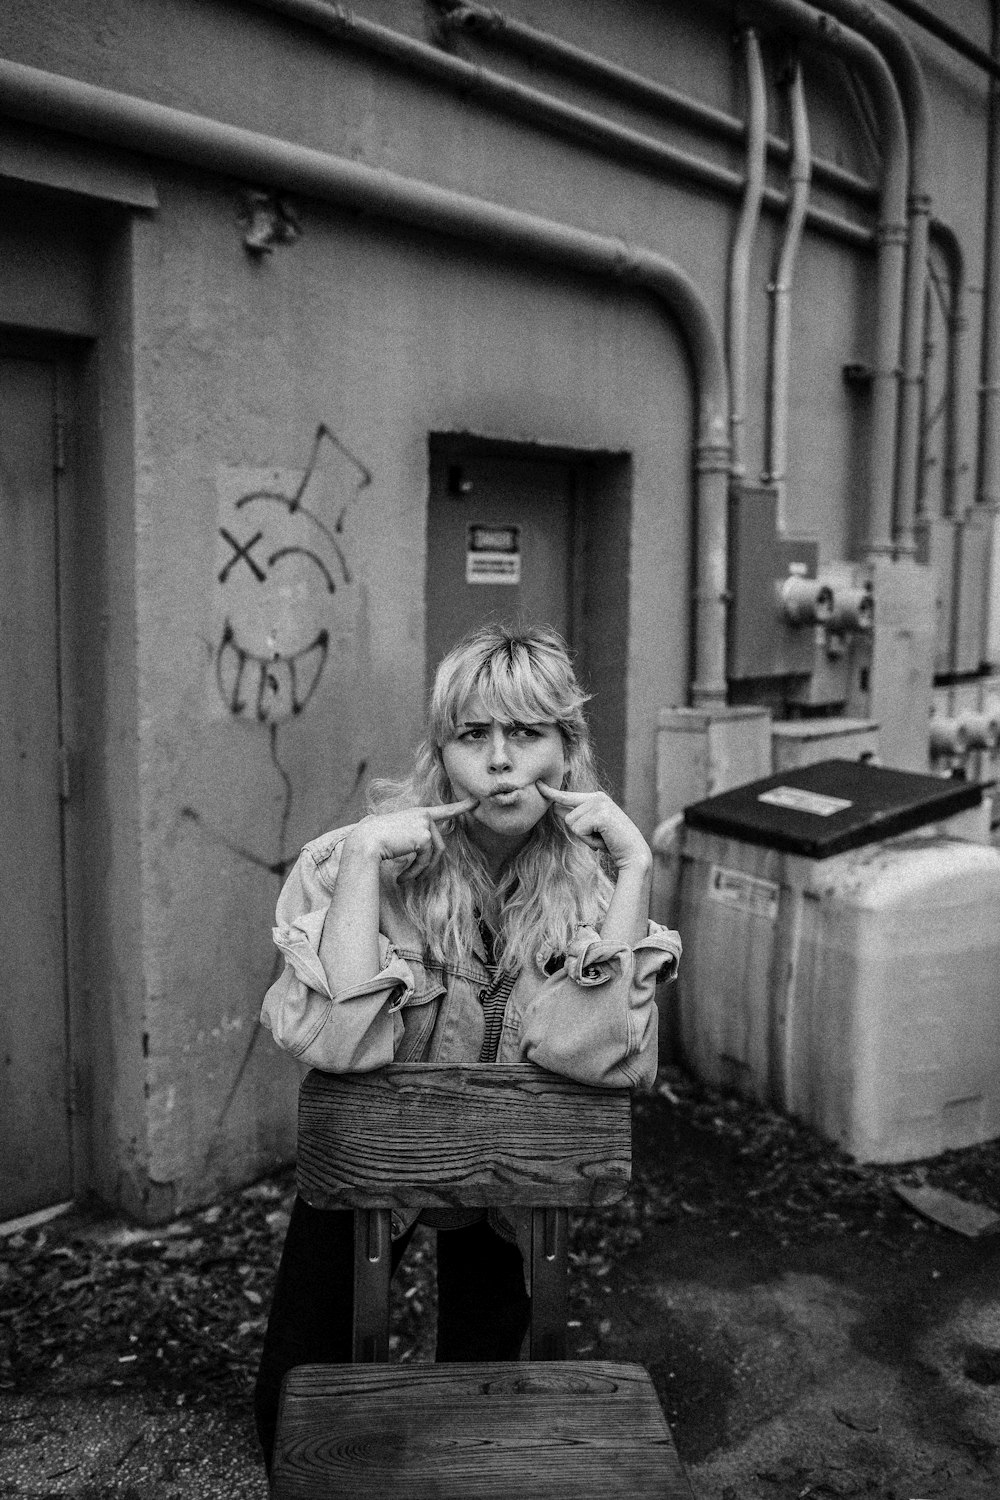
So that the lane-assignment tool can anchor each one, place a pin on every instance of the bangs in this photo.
(519, 680)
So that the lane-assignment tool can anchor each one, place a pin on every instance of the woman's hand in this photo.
(413, 831)
(600, 822)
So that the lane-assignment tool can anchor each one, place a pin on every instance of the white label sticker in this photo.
(748, 892)
(798, 800)
(493, 555)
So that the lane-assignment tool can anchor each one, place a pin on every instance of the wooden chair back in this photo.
(423, 1135)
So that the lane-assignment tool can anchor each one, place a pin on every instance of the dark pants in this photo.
(483, 1308)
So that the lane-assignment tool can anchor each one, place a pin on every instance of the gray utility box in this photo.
(842, 956)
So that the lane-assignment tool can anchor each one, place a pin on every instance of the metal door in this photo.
(34, 1117)
(499, 544)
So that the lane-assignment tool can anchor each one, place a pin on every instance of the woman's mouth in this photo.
(504, 796)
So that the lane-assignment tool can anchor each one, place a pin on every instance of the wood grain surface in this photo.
(579, 1431)
(418, 1135)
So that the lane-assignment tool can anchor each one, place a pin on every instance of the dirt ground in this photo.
(808, 1333)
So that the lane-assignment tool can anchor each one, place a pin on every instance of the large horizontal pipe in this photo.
(525, 102)
(137, 125)
(637, 89)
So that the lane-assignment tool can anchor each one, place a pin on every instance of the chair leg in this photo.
(549, 1294)
(372, 1274)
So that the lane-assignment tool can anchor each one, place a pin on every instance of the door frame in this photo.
(599, 584)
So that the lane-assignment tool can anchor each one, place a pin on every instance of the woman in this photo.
(493, 906)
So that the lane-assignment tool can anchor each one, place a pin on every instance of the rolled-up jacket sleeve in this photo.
(595, 1018)
(340, 1031)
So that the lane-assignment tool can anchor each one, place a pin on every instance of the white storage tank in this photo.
(842, 957)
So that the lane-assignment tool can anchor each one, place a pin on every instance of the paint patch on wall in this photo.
(282, 580)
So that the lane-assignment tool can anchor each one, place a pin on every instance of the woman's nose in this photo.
(499, 752)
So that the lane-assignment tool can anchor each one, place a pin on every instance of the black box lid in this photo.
(831, 806)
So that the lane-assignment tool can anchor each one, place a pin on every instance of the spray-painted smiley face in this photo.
(279, 566)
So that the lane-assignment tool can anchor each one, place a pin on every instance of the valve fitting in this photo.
(805, 601)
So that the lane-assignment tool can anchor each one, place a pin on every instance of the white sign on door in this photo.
(493, 555)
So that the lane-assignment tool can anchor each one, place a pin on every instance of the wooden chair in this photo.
(430, 1135)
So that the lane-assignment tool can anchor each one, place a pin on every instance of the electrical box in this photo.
(763, 642)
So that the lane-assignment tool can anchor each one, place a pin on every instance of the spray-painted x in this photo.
(239, 552)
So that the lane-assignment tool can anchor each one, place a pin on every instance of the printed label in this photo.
(493, 555)
(748, 892)
(808, 802)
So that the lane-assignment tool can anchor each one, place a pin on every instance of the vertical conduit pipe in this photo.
(902, 60)
(781, 291)
(120, 120)
(948, 243)
(742, 247)
(988, 468)
(828, 34)
(988, 480)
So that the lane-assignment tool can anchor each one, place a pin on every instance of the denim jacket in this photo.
(588, 1014)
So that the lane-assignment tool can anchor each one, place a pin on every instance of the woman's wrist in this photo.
(363, 844)
(639, 859)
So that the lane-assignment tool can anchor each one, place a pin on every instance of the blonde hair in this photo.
(555, 882)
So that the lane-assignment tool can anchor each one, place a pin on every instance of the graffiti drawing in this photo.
(272, 687)
(281, 559)
(283, 606)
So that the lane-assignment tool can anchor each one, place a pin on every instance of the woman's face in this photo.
(499, 764)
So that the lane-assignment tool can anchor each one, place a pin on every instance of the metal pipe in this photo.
(926, 421)
(57, 103)
(988, 466)
(518, 99)
(781, 290)
(866, 23)
(951, 37)
(957, 322)
(829, 34)
(524, 102)
(988, 480)
(542, 46)
(902, 60)
(742, 247)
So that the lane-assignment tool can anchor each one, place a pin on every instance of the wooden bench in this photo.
(428, 1135)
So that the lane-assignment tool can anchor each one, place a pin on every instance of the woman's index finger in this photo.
(565, 799)
(451, 809)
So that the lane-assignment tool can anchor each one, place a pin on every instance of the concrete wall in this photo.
(214, 372)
